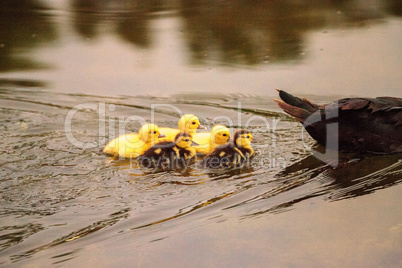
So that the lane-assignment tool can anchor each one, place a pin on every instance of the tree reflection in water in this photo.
(24, 25)
(224, 32)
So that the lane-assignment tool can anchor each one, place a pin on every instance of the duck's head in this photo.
(184, 140)
(243, 138)
(189, 123)
(150, 133)
(219, 135)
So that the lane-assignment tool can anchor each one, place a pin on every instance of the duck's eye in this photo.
(248, 137)
(193, 123)
(187, 140)
(154, 132)
(224, 135)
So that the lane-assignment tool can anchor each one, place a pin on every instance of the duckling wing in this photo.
(166, 156)
(246, 153)
(203, 141)
(159, 150)
(202, 138)
(158, 155)
(222, 157)
(128, 145)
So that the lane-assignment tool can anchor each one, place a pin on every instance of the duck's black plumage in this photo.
(229, 155)
(350, 124)
(168, 155)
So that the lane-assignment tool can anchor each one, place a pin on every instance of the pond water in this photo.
(75, 74)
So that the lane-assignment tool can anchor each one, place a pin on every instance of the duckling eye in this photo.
(224, 135)
(154, 132)
(248, 137)
(193, 123)
(187, 140)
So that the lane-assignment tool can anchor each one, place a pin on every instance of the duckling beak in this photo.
(194, 143)
(201, 127)
(161, 135)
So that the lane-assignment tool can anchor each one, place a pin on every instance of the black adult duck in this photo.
(350, 124)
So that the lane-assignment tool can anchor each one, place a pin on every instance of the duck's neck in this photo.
(213, 144)
(189, 131)
(149, 141)
(191, 151)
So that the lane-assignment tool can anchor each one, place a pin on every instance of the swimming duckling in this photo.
(232, 154)
(170, 155)
(188, 123)
(134, 144)
(208, 141)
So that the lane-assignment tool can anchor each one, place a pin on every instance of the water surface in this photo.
(98, 63)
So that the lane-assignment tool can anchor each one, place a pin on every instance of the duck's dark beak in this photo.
(194, 143)
(161, 135)
(201, 127)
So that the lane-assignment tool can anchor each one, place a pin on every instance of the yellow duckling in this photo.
(134, 144)
(208, 141)
(170, 155)
(232, 154)
(188, 123)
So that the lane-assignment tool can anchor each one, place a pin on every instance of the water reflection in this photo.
(229, 32)
(309, 178)
(96, 226)
(358, 175)
(238, 32)
(59, 201)
(130, 19)
(86, 17)
(394, 7)
(23, 25)
(12, 235)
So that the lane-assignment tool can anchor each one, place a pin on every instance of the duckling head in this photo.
(189, 123)
(184, 140)
(219, 135)
(149, 133)
(243, 138)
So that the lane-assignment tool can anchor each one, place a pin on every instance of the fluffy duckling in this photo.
(188, 123)
(170, 155)
(134, 144)
(208, 141)
(232, 154)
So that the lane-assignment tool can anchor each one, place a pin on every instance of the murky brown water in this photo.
(95, 63)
